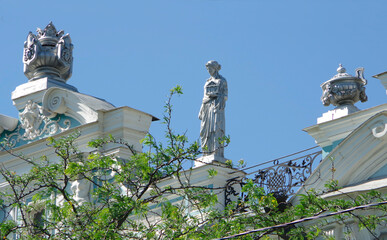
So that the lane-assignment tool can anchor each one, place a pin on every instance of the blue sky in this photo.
(274, 55)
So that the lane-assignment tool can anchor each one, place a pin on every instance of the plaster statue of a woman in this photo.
(212, 114)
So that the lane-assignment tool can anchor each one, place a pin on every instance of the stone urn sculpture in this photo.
(48, 54)
(344, 89)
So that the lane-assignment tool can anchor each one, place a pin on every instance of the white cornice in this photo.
(363, 187)
(328, 132)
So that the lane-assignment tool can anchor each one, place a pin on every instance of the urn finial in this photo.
(344, 89)
(341, 69)
(48, 54)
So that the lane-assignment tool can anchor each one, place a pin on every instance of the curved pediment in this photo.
(360, 157)
(364, 151)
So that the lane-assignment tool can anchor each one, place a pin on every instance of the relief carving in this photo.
(30, 47)
(35, 123)
(30, 119)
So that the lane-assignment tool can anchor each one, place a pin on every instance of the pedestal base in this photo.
(39, 85)
(338, 112)
(209, 159)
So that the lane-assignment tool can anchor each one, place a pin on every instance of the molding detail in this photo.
(35, 125)
(80, 107)
(379, 129)
(54, 104)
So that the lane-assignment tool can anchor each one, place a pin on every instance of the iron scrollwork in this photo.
(230, 191)
(283, 178)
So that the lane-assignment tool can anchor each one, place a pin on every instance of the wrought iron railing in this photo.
(281, 176)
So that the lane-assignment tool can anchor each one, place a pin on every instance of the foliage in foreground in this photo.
(128, 201)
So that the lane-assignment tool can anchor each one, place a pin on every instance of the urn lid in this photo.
(343, 75)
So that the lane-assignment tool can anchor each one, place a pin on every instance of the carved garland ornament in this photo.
(35, 124)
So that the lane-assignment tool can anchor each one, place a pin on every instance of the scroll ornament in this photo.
(379, 129)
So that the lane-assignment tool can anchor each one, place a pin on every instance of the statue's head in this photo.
(213, 67)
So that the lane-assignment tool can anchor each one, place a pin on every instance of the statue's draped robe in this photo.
(212, 116)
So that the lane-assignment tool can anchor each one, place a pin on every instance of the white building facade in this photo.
(50, 107)
(353, 141)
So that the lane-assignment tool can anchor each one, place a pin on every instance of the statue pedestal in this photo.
(203, 160)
